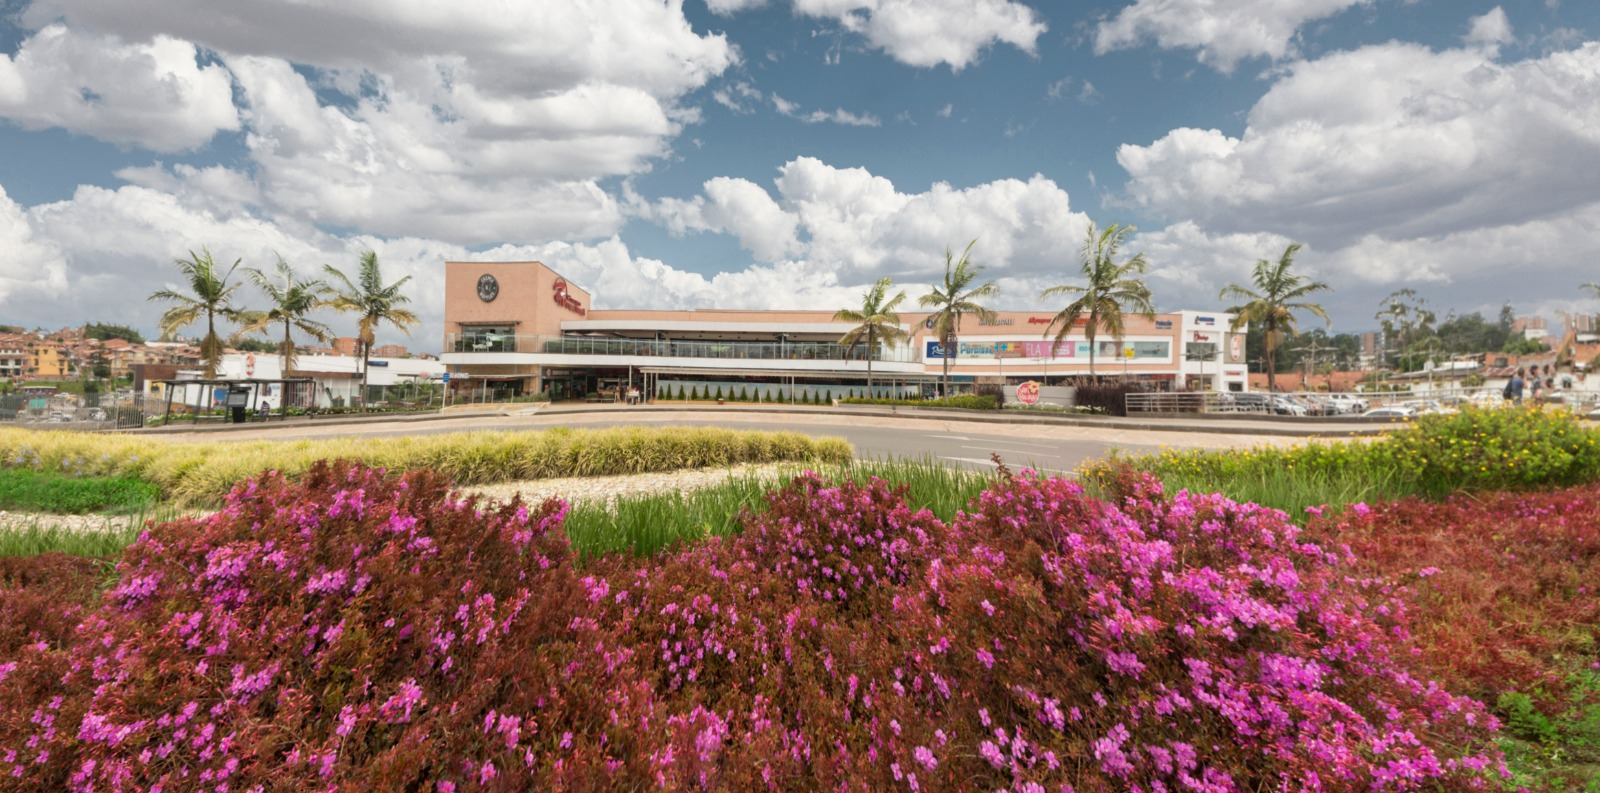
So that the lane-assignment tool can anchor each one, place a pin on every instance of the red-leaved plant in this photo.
(356, 631)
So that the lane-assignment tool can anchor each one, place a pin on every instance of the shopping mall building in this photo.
(521, 328)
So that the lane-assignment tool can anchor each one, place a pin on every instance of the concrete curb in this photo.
(1271, 425)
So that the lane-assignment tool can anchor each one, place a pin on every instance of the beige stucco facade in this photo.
(540, 325)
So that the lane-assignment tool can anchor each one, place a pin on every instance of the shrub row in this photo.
(963, 401)
(1475, 450)
(201, 473)
(361, 632)
(1107, 398)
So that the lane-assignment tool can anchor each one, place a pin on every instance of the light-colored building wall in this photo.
(525, 298)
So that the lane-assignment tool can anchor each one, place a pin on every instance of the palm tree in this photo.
(875, 321)
(953, 299)
(1272, 303)
(1109, 287)
(375, 301)
(292, 301)
(211, 296)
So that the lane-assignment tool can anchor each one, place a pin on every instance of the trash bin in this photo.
(238, 404)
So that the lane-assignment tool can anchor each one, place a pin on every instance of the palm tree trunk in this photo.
(871, 345)
(949, 350)
(1092, 333)
(288, 351)
(1272, 368)
(209, 346)
(366, 356)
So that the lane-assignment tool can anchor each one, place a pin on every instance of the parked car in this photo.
(1349, 403)
(1287, 406)
(1390, 412)
(1323, 405)
(1249, 402)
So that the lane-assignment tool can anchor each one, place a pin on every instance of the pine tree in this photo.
(719, 394)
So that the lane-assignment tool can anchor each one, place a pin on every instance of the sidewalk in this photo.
(1283, 426)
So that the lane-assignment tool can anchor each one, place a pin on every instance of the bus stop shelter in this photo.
(241, 394)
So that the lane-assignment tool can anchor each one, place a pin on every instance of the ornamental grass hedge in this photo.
(202, 473)
(357, 631)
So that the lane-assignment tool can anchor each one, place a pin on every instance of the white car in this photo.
(1348, 403)
(1391, 412)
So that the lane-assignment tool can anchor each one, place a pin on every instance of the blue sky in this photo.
(786, 153)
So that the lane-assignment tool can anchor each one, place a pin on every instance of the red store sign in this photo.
(567, 301)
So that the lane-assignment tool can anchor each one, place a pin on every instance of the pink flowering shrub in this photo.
(365, 633)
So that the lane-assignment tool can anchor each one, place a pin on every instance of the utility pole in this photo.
(1313, 348)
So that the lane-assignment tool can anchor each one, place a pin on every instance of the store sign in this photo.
(1205, 320)
(1007, 349)
(1236, 347)
(1028, 393)
(995, 321)
(1198, 336)
(567, 301)
(1039, 320)
(1163, 324)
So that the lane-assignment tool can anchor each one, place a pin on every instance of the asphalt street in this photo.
(968, 444)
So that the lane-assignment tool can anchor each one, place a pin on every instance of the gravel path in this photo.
(609, 487)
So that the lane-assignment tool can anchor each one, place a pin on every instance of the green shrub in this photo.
(1476, 450)
(719, 397)
(1482, 449)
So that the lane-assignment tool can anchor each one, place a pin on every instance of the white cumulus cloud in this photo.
(155, 94)
(1221, 33)
(932, 32)
(1396, 140)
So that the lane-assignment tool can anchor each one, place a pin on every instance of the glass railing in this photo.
(754, 350)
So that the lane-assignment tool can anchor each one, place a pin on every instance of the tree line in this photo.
(1109, 291)
(213, 294)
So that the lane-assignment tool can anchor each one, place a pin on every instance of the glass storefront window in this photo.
(486, 338)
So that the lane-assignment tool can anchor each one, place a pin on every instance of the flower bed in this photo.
(353, 630)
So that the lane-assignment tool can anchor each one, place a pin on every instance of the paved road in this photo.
(969, 444)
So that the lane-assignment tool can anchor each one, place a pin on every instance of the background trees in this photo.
(375, 303)
(954, 298)
(292, 301)
(210, 296)
(1109, 290)
(876, 321)
(1272, 303)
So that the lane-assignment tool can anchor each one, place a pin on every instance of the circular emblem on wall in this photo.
(488, 288)
(1028, 393)
(1236, 346)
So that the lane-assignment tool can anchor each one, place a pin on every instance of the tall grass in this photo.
(106, 536)
(647, 524)
(202, 473)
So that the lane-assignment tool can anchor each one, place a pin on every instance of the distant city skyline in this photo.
(787, 153)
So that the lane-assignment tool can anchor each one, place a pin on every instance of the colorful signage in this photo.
(1205, 321)
(1009, 349)
(1028, 393)
(567, 301)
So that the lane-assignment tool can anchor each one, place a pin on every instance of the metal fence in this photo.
(1323, 404)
